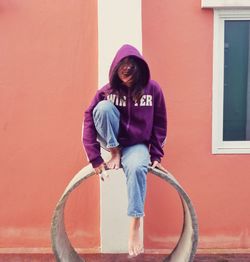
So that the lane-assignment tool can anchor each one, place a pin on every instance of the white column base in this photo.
(114, 220)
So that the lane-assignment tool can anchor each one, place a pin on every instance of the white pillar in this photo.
(119, 23)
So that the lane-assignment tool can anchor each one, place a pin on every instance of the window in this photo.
(231, 82)
(236, 108)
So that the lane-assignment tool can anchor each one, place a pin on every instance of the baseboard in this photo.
(33, 250)
(22, 250)
(204, 251)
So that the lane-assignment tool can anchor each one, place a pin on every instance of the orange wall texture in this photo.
(177, 40)
(48, 72)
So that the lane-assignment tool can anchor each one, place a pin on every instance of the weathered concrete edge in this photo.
(58, 217)
(184, 197)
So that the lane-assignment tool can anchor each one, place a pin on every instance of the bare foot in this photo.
(114, 162)
(134, 244)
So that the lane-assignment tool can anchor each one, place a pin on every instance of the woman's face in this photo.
(126, 71)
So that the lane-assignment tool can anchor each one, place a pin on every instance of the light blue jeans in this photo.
(134, 159)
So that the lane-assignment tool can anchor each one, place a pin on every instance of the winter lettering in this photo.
(146, 100)
(116, 100)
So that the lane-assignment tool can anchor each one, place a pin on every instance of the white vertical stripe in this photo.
(119, 23)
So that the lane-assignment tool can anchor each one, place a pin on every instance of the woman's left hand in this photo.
(158, 165)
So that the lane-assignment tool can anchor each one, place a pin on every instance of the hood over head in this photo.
(129, 51)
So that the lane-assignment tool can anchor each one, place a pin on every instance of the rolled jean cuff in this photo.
(112, 145)
(136, 214)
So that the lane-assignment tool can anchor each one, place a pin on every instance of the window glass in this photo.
(236, 107)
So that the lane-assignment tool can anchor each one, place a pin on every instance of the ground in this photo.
(122, 258)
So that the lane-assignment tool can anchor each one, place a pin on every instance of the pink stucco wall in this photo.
(178, 41)
(48, 72)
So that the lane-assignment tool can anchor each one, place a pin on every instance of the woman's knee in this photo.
(104, 107)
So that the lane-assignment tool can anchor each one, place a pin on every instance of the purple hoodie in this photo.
(144, 121)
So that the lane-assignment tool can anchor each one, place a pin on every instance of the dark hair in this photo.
(140, 79)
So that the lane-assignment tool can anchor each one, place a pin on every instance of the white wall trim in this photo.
(119, 23)
(225, 3)
(218, 145)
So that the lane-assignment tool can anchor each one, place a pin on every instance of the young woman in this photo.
(128, 117)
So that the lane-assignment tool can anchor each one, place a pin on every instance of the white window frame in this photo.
(225, 3)
(224, 10)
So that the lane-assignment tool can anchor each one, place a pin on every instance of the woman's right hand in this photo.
(101, 171)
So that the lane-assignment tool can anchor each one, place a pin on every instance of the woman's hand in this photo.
(101, 171)
(157, 164)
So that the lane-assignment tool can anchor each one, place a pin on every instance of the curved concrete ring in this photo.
(184, 251)
(185, 248)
